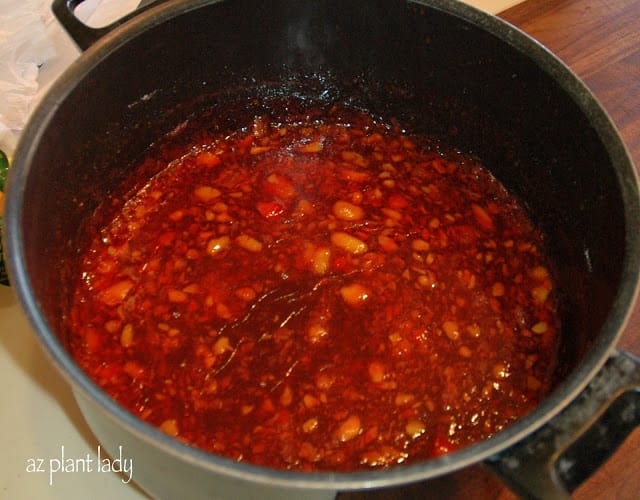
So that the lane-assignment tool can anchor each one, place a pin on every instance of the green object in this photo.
(4, 167)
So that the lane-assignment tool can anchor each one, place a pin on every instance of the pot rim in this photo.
(564, 393)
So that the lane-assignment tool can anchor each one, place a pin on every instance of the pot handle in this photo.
(556, 459)
(85, 36)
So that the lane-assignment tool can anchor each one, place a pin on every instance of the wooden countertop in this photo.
(600, 41)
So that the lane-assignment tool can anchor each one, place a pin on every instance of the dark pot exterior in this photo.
(439, 67)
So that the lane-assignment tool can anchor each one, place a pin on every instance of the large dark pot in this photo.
(437, 66)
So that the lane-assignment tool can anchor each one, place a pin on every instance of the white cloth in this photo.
(34, 51)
